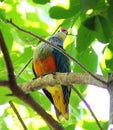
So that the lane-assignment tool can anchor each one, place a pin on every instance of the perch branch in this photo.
(61, 78)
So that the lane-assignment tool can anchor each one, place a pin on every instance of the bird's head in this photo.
(61, 34)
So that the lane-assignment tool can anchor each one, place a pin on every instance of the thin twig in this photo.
(88, 106)
(18, 115)
(4, 83)
(58, 48)
(57, 28)
(23, 68)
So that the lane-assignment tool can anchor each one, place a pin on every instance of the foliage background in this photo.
(88, 21)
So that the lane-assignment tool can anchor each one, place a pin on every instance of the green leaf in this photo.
(106, 63)
(69, 22)
(103, 29)
(3, 15)
(41, 1)
(90, 23)
(44, 128)
(110, 11)
(4, 95)
(95, 5)
(70, 127)
(91, 125)
(4, 91)
(41, 99)
(3, 125)
(6, 31)
(5, 99)
(74, 109)
(89, 59)
(70, 48)
(110, 2)
(84, 38)
(58, 12)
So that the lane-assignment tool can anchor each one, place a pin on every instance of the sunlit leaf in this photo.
(92, 125)
(89, 59)
(3, 125)
(6, 32)
(68, 23)
(2, 15)
(106, 62)
(70, 127)
(4, 92)
(39, 98)
(58, 12)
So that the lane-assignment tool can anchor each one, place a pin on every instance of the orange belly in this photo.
(45, 66)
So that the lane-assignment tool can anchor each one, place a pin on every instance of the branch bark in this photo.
(4, 83)
(59, 79)
(63, 79)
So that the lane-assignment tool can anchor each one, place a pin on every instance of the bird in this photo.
(47, 60)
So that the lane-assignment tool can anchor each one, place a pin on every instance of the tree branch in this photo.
(24, 68)
(110, 90)
(4, 83)
(63, 79)
(88, 106)
(20, 94)
(59, 78)
(18, 115)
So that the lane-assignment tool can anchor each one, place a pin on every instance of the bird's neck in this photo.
(56, 41)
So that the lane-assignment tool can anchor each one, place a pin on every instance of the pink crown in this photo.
(64, 30)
